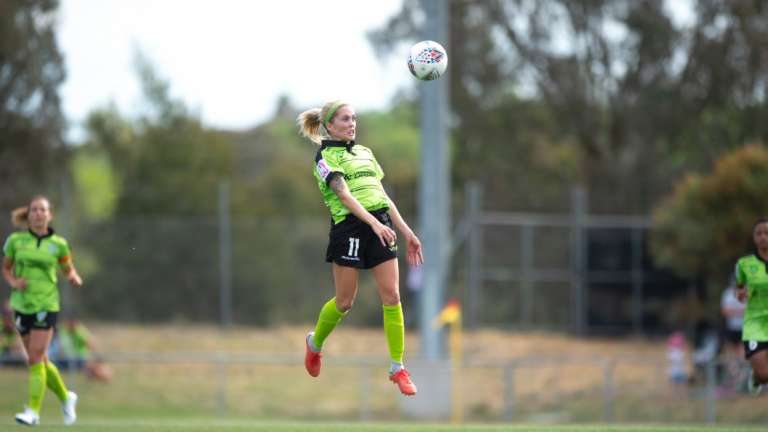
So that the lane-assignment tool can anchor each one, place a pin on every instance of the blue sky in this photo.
(229, 60)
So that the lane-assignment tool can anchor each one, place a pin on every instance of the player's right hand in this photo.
(741, 294)
(386, 234)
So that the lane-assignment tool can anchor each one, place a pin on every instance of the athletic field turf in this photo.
(259, 426)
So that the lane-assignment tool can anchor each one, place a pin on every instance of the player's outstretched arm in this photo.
(414, 254)
(70, 272)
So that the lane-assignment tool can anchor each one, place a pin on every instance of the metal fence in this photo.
(572, 271)
(575, 271)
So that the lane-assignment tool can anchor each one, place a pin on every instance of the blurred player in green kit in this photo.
(752, 288)
(31, 259)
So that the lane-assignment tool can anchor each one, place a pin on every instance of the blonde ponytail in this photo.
(312, 122)
(19, 217)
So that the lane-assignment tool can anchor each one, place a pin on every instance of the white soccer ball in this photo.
(427, 60)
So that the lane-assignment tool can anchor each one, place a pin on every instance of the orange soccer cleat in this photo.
(312, 360)
(403, 380)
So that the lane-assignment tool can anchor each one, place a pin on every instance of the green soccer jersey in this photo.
(751, 272)
(361, 171)
(36, 259)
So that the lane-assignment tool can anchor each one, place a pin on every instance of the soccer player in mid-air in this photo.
(31, 259)
(362, 235)
(752, 288)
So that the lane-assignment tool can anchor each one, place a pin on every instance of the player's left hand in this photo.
(413, 251)
(75, 279)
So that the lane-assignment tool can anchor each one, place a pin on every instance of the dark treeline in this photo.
(620, 97)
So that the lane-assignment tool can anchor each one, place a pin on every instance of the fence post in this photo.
(65, 225)
(709, 398)
(509, 391)
(608, 393)
(68, 303)
(526, 270)
(222, 403)
(578, 260)
(365, 393)
(474, 251)
(637, 280)
(225, 256)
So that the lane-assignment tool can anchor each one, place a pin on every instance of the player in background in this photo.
(76, 350)
(752, 287)
(31, 259)
(732, 311)
(11, 347)
(361, 236)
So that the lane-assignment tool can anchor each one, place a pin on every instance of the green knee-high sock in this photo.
(394, 328)
(36, 385)
(54, 382)
(330, 316)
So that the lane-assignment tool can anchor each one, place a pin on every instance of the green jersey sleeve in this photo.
(9, 248)
(379, 171)
(741, 277)
(64, 254)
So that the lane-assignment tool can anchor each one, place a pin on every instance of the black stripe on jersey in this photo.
(332, 175)
(335, 143)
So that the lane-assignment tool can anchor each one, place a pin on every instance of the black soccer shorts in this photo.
(42, 320)
(352, 243)
(753, 347)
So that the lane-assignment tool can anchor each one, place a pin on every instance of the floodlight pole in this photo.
(434, 196)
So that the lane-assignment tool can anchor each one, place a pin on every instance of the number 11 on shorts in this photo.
(354, 246)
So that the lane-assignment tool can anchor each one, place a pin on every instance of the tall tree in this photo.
(705, 225)
(640, 94)
(723, 83)
(174, 163)
(165, 171)
(31, 122)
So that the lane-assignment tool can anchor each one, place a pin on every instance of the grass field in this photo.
(152, 395)
(256, 426)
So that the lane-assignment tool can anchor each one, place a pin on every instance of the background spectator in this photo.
(74, 348)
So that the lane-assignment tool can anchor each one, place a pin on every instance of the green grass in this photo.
(258, 394)
(241, 425)
(188, 395)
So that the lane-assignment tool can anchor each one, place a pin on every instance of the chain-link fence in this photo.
(569, 271)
